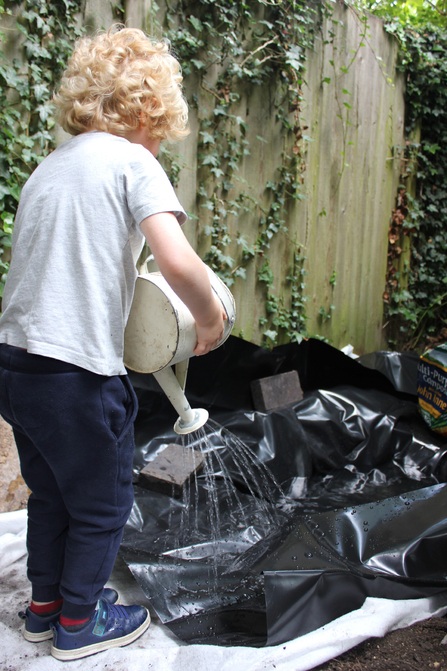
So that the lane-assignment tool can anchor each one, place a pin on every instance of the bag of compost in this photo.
(432, 388)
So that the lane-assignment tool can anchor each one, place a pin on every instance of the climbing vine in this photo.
(29, 74)
(228, 48)
(248, 44)
(225, 48)
(416, 297)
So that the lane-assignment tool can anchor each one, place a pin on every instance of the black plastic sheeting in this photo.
(363, 512)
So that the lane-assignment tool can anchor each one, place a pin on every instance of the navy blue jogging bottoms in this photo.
(74, 434)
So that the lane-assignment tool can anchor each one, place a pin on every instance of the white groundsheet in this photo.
(159, 650)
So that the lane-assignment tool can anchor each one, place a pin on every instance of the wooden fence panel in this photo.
(341, 225)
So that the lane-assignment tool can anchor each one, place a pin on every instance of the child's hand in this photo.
(210, 334)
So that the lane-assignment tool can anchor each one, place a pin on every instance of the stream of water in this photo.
(230, 502)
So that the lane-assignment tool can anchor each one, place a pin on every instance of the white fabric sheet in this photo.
(159, 650)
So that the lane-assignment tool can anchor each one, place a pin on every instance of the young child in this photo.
(81, 223)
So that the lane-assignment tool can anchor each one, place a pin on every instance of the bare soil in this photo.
(13, 491)
(417, 648)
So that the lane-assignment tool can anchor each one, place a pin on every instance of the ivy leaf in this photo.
(209, 205)
(196, 23)
(199, 65)
(432, 148)
(44, 110)
(27, 156)
(272, 335)
(293, 57)
(34, 50)
(241, 272)
(207, 138)
(15, 190)
(40, 90)
(211, 159)
(8, 223)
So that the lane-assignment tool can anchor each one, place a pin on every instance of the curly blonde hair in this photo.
(119, 81)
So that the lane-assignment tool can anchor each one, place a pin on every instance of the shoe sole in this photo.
(46, 635)
(36, 638)
(86, 651)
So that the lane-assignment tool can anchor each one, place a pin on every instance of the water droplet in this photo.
(294, 558)
(308, 554)
(365, 522)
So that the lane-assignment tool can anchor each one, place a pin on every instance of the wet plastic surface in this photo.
(364, 511)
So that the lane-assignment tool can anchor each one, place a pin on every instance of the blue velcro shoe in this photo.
(109, 627)
(37, 627)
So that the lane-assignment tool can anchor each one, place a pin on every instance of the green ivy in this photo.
(252, 43)
(421, 307)
(48, 30)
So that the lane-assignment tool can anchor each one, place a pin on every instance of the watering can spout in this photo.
(189, 419)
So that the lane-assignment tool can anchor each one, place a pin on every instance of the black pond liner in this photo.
(368, 517)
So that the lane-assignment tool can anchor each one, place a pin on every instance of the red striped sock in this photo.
(69, 622)
(45, 608)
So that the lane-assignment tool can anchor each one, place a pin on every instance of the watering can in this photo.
(161, 333)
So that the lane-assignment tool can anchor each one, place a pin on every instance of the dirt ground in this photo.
(13, 491)
(417, 648)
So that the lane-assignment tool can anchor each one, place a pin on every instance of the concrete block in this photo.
(277, 391)
(171, 469)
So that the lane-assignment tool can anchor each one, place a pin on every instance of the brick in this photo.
(171, 469)
(277, 391)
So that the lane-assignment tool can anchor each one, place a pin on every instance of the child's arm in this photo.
(186, 274)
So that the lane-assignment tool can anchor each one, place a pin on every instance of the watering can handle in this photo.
(143, 268)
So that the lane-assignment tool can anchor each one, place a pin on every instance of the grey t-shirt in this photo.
(75, 244)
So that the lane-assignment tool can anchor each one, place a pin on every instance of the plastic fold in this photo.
(300, 513)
